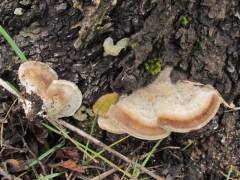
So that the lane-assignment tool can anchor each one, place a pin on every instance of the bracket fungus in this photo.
(101, 108)
(152, 112)
(60, 98)
(36, 76)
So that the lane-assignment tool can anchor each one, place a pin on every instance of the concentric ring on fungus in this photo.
(60, 98)
(152, 112)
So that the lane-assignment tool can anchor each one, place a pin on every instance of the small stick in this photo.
(4, 119)
(105, 174)
(101, 144)
(34, 156)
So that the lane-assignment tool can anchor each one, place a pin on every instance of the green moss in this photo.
(184, 20)
(153, 66)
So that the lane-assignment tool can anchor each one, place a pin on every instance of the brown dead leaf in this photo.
(70, 165)
(68, 153)
(14, 165)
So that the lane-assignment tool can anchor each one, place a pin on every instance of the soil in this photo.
(205, 49)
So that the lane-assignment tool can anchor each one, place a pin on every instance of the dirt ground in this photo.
(204, 48)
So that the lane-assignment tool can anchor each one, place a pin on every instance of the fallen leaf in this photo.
(70, 165)
(68, 153)
(14, 165)
(104, 102)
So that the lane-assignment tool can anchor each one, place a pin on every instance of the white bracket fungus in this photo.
(152, 112)
(60, 98)
(36, 77)
(63, 98)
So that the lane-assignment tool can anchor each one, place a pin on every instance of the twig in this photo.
(170, 147)
(8, 176)
(105, 174)
(4, 119)
(99, 143)
(65, 135)
(1, 135)
(34, 156)
(127, 169)
(21, 150)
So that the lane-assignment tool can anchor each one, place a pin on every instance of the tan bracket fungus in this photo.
(36, 77)
(101, 108)
(60, 98)
(152, 112)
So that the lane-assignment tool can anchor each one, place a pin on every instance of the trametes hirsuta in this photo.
(162, 107)
(60, 98)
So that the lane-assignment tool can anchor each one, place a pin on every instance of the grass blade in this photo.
(136, 171)
(229, 173)
(91, 132)
(46, 154)
(11, 42)
(81, 147)
(111, 145)
(9, 87)
(50, 176)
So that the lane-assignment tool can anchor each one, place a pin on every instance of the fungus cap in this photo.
(180, 107)
(109, 125)
(133, 116)
(113, 125)
(36, 76)
(189, 108)
(152, 112)
(130, 122)
(63, 98)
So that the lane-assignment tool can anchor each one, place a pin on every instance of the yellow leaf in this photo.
(104, 102)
